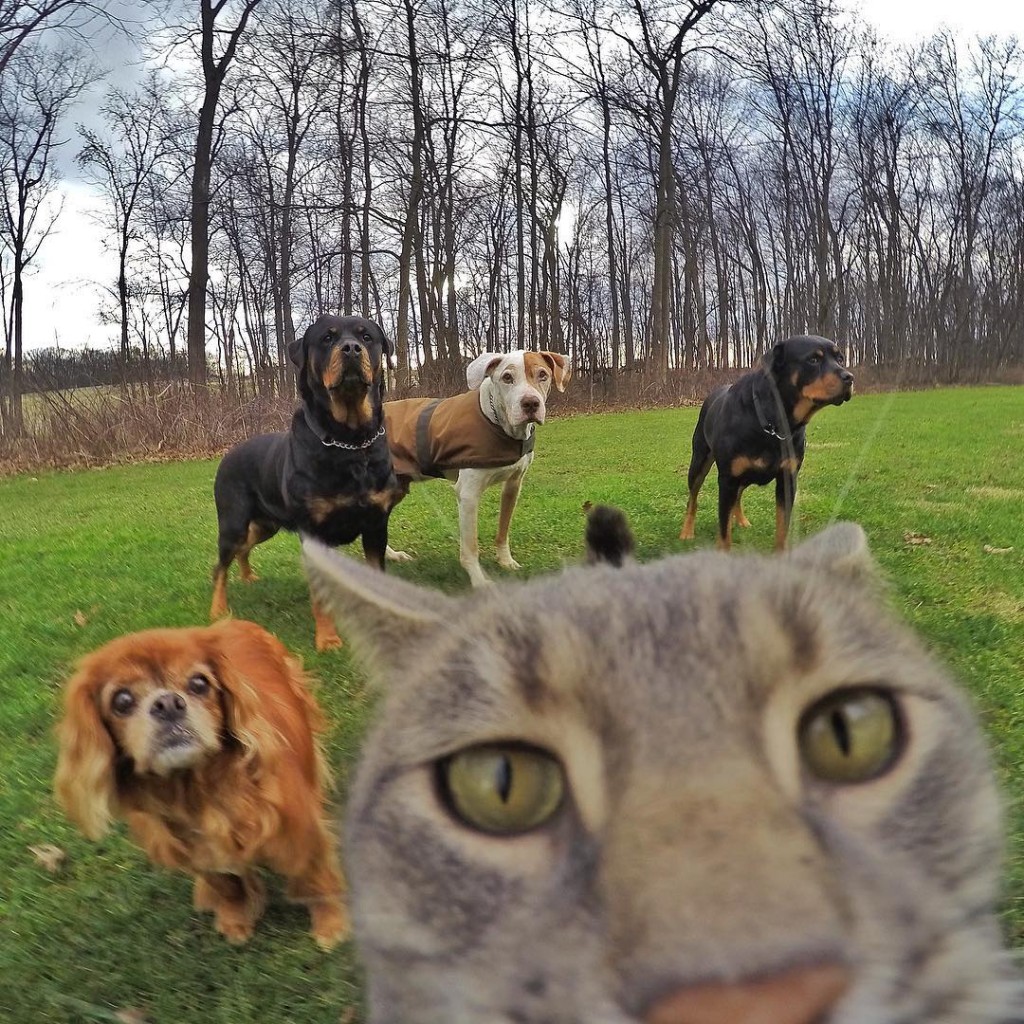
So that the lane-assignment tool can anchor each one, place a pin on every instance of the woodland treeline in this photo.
(649, 186)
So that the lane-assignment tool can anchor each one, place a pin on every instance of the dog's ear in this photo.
(561, 368)
(386, 344)
(85, 784)
(481, 367)
(297, 351)
(775, 359)
(383, 616)
(251, 665)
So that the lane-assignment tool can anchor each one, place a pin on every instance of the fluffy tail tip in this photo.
(608, 536)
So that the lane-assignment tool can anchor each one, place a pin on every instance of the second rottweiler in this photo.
(330, 475)
(753, 430)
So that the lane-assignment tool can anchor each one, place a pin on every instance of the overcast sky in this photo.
(62, 298)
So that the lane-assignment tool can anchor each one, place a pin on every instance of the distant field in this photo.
(86, 556)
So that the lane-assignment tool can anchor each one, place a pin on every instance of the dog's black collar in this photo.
(325, 440)
(767, 423)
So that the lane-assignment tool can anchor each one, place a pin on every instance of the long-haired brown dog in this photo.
(204, 741)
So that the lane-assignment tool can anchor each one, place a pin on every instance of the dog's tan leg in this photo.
(468, 491)
(696, 482)
(321, 887)
(509, 497)
(237, 902)
(781, 528)
(326, 636)
(785, 495)
(219, 604)
(737, 511)
(256, 535)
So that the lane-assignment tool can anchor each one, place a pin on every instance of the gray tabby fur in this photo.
(693, 847)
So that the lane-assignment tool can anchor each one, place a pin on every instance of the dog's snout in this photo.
(351, 349)
(846, 377)
(530, 404)
(168, 707)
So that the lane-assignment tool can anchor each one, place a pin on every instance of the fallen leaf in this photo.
(587, 506)
(348, 1015)
(49, 857)
(916, 538)
(80, 619)
(989, 550)
(131, 1015)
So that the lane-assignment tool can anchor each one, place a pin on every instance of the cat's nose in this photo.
(796, 997)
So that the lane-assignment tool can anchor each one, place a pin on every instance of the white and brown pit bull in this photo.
(482, 437)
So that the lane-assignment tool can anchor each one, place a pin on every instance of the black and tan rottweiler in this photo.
(753, 430)
(329, 475)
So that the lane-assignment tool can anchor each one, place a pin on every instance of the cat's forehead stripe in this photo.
(523, 652)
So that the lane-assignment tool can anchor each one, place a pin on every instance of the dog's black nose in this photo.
(846, 377)
(351, 349)
(530, 404)
(168, 707)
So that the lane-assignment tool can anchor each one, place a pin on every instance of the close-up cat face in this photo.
(705, 789)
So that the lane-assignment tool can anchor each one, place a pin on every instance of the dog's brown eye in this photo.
(507, 378)
(122, 702)
(815, 357)
(199, 685)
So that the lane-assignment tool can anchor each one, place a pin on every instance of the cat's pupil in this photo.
(842, 731)
(503, 778)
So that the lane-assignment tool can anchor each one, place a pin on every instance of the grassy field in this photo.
(86, 556)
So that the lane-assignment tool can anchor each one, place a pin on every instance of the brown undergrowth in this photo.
(108, 426)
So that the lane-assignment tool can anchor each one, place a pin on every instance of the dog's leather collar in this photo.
(328, 442)
(767, 423)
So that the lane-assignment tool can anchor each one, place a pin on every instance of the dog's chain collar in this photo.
(353, 447)
(328, 443)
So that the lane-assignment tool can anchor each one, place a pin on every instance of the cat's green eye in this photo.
(502, 788)
(850, 736)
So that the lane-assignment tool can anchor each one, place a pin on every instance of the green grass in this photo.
(132, 547)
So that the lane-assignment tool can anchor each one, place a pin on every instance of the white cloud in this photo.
(907, 21)
(73, 274)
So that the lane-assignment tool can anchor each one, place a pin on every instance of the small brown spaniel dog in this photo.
(204, 741)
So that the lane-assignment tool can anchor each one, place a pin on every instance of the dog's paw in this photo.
(509, 563)
(397, 556)
(328, 642)
(330, 923)
(236, 927)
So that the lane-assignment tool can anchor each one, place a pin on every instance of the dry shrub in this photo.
(105, 426)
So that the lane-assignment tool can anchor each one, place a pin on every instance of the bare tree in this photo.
(36, 91)
(20, 20)
(122, 165)
(217, 46)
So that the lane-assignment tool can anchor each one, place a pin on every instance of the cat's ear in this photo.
(841, 549)
(383, 616)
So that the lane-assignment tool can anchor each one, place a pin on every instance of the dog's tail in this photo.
(608, 536)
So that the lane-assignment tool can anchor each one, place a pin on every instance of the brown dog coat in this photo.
(430, 436)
